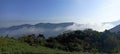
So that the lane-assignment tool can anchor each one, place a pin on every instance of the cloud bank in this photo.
(98, 27)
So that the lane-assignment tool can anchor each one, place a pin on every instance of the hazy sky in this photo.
(13, 12)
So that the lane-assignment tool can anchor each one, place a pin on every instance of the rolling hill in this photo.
(48, 29)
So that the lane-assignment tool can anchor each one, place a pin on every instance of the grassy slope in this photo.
(10, 46)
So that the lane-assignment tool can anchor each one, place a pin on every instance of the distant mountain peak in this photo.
(53, 25)
(70, 23)
(115, 29)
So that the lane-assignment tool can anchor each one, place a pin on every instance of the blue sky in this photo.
(15, 12)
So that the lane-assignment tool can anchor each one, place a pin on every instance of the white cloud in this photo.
(98, 27)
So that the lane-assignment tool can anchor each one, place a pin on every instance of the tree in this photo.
(40, 40)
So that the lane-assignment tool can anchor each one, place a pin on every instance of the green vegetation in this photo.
(11, 46)
(75, 42)
(86, 41)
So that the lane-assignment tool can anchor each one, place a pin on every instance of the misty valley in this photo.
(59, 26)
(57, 39)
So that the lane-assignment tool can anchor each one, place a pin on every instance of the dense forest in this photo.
(73, 42)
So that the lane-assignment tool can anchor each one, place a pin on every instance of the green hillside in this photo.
(10, 46)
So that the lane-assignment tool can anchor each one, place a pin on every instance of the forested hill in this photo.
(88, 40)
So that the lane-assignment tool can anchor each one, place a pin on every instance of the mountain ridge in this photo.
(51, 29)
(115, 29)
